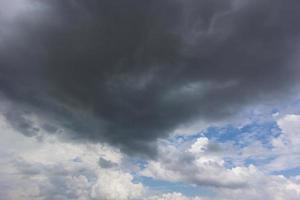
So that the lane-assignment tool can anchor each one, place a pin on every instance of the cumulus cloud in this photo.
(51, 169)
(169, 196)
(279, 152)
(199, 165)
(286, 147)
(129, 72)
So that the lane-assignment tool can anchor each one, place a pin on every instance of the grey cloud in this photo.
(129, 72)
(106, 163)
(50, 128)
(22, 124)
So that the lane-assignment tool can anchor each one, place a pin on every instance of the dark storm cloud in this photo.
(130, 71)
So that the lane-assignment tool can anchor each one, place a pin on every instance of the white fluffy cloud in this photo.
(50, 169)
(116, 185)
(202, 164)
(286, 147)
(169, 196)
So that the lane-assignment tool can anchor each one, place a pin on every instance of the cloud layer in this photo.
(32, 168)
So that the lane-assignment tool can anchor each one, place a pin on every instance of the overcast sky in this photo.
(149, 99)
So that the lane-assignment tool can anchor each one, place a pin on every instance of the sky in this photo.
(149, 100)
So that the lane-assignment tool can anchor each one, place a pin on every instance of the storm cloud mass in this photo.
(130, 71)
